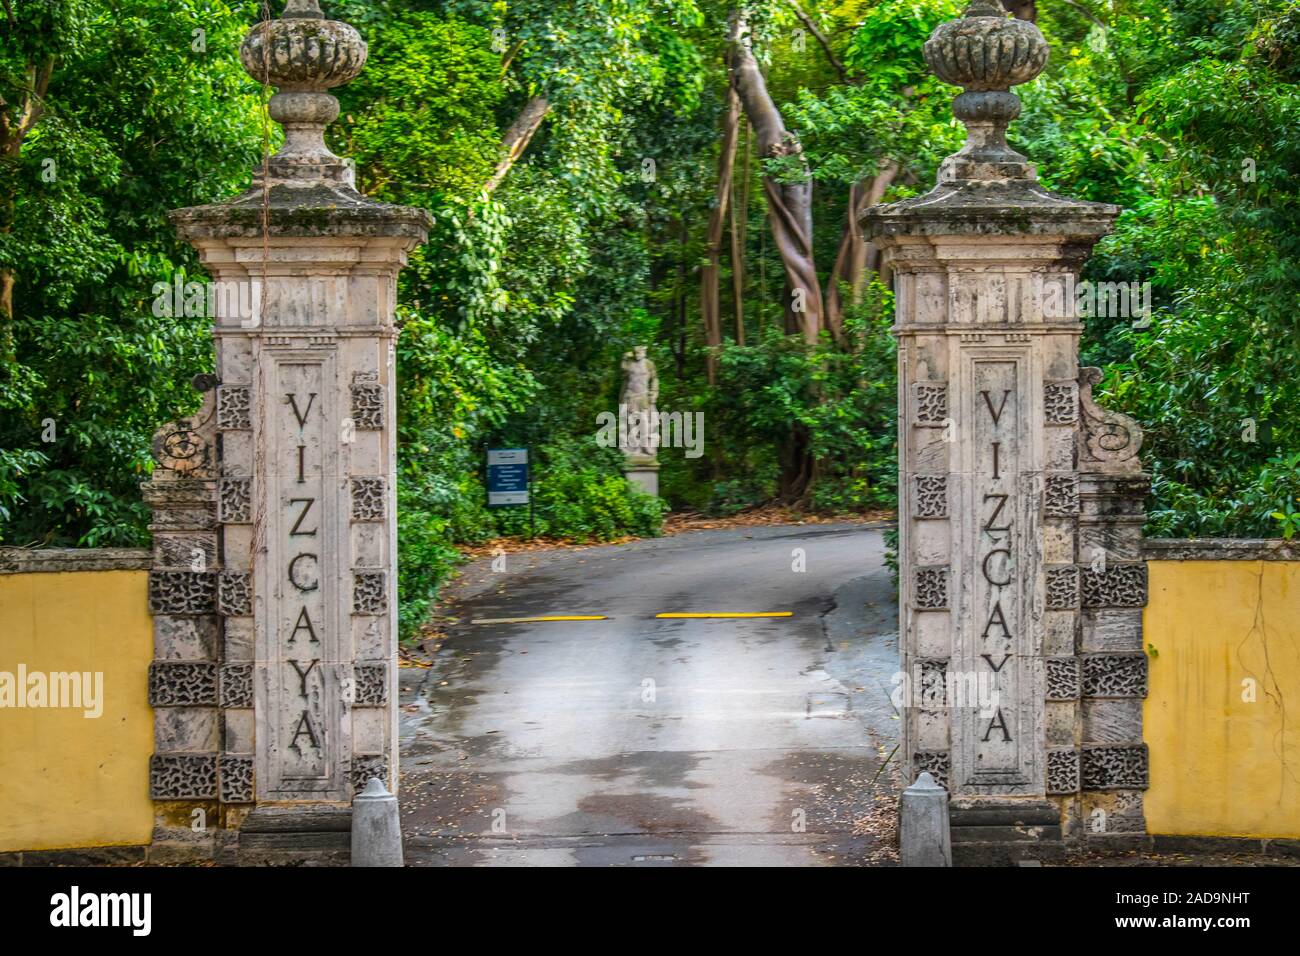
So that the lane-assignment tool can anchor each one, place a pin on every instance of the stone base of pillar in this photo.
(280, 835)
(184, 832)
(644, 475)
(267, 835)
(1005, 832)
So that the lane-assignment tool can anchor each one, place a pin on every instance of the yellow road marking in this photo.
(533, 620)
(733, 614)
(602, 617)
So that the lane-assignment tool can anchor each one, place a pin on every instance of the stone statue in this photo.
(639, 399)
(638, 421)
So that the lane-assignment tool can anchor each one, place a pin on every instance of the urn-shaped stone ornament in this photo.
(303, 51)
(986, 53)
(986, 50)
(303, 55)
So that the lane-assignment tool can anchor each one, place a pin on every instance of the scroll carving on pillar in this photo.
(1062, 678)
(930, 404)
(1119, 585)
(1061, 495)
(186, 448)
(235, 501)
(371, 684)
(1109, 441)
(237, 685)
(1061, 403)
(235, 773)
(233, 407)
(931, 588)
(1115, 675)
(369, 497)
(183, 776)
(931, 496)
(235, 593)
(182, 684)
(1062, 588)
(369, 592)
(367, 401)
(182, 592)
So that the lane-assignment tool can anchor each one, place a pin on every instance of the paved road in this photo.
(636, 741)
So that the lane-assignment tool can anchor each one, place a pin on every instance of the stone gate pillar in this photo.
(300, 506)
(989, 480)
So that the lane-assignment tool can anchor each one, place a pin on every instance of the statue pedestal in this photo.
(644, 473)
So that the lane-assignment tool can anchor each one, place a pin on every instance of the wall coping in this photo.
(25, 560)
(1221, 549)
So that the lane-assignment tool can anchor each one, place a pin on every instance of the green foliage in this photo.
(427, 557)
(419, 121)
(515, 313)
(891, 554)
(892, 108)
(886, 49)
(503, 304)
(136, 122)
(580, 494)
(1280, 480)
(1187, 114)
(842, 398)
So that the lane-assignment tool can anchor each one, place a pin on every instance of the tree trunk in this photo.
(517, 137)
(797, 467)
(14, 127)
(789, 204)
(710, 311)
(850, 250)
(739, 231)
(679, 296)
(857, 255)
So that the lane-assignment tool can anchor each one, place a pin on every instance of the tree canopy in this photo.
(685, 174)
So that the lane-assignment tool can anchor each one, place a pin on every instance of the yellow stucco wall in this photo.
(1221, 765)
(67, 780)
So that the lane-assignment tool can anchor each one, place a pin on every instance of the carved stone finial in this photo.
(302, 55)
(984, 8)
(1110, 440)
(986, 53)
(305, 190)
(308, 9)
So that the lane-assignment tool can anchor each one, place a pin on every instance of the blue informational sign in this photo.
(507, 476)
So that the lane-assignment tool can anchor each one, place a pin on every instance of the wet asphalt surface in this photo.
(642, 742)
